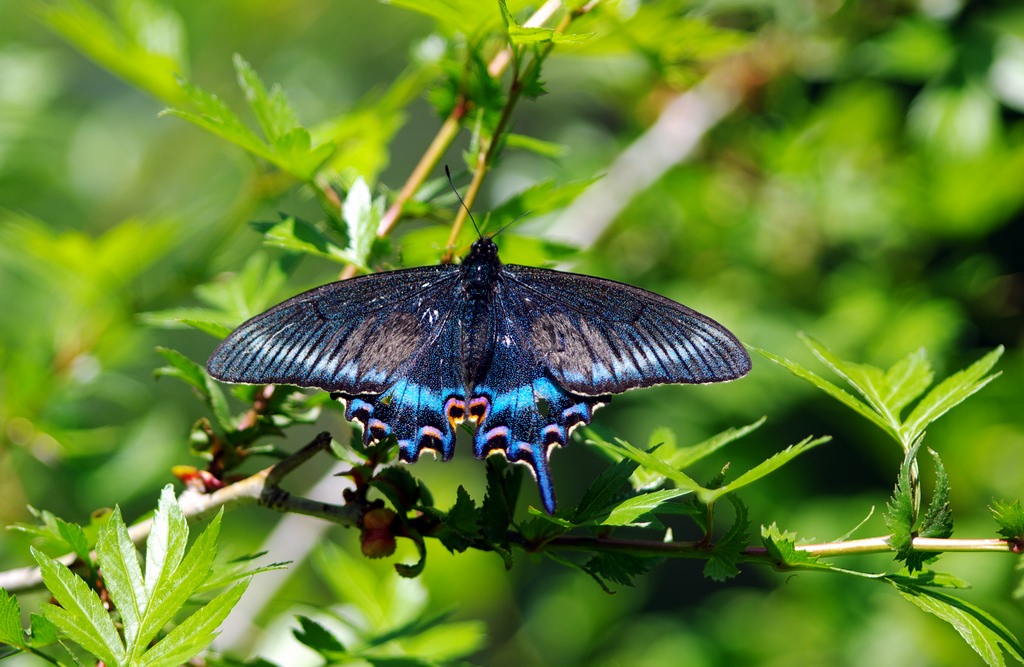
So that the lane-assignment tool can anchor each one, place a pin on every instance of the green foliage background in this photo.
(867, 191)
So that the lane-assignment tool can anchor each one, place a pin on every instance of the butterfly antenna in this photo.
(511, 222)
(462, 201)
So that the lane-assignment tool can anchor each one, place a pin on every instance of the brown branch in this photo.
(260, 488)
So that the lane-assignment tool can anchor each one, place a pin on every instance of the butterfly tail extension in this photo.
(410, 413)
(526, 424)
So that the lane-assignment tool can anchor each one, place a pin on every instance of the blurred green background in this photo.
(868, 190)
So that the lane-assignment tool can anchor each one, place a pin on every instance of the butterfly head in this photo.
(481, 266)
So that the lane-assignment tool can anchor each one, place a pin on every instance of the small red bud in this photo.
(376, 539)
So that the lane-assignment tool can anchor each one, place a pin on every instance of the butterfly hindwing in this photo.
(424, 407)
(598, 336)
(521, 411)
(355, 336)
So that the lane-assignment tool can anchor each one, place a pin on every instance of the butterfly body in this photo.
(526, 354)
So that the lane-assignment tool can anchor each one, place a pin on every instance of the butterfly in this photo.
(524, 353)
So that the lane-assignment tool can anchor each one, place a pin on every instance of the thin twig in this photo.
(260, 488)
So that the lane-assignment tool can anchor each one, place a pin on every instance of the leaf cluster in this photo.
(142, 599)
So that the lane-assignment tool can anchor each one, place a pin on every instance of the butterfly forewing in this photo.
(355, 336)
(598, 336)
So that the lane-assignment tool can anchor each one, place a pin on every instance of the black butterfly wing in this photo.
(598, 336)
(356, 336)
(520, 408)
(386, 343)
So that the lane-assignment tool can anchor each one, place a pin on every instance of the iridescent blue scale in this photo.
(525, 354)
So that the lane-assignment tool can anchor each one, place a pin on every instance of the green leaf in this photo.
(288, 146)
(901, 512)
(10, 621)
(195, 375)
(536, 146)
(685, 457)
(950, 392)
(122, 575)
(43, 631)
(80, 616)
(361, 216)
(503, 483)
(781, 547)
(462, 523)
(938, 518)
(518, 35)
(145, 46)
(597, 500)
(215, 329)
(728, 550)
(300, 236)
(629, 512)
(764, 468)
(469, 17)
(194, 634)
(616, 567)
(318, 638)
(832, 390)
(619, 447)
(75, 537)
(1010, 517)
(982, 632)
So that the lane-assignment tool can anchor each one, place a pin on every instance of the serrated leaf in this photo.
(619, 447)
(616, 567)
(901, 511)
(728, 550)
(273, 112)
(469, 17)
(10, 621)
(145, 46)
(318, 638)
(907, 379)
(629, 512)
(462, 523)
(122, 574)
(195, 375)
(832, 390)
(499, 506)
(519, 35)
(75, 537)
(399, 486)
(301, 236)
(764, 468)
(80, 616)
(781, 546)
(950, 392)
(982, 632)
(361, 216)
(1010, 517)
(194, 634)
(684, 457)
(938, 518)
(43, 631)
(172, 592)
(215, 329)
(548, 149)
(869, 381)
(596, 501)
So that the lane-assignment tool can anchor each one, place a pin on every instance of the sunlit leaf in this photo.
(979, 629)
(764, 468)
(80, 616)
(953, 390)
